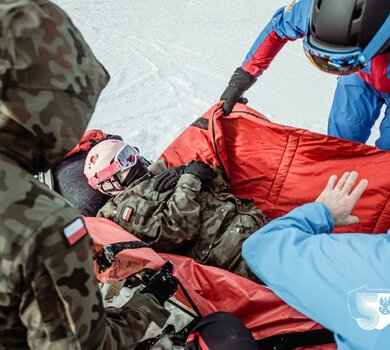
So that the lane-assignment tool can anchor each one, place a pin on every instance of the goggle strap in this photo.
(116, 186)
(104, 174)
(378, 40)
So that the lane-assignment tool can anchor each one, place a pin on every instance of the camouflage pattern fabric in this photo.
(208, 225)
(49, 297)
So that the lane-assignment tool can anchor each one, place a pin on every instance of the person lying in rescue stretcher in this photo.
(186, 210)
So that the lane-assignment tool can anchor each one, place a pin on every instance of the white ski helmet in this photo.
(105, 162)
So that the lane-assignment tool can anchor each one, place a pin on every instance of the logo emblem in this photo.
(290, 6)
(370, 307)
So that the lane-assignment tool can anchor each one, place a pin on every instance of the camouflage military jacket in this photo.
(206, 224)
(49, 297)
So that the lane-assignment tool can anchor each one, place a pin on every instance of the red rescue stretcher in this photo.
(280, 167)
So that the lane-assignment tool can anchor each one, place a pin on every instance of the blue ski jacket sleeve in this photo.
(288, 23)
(338, 280)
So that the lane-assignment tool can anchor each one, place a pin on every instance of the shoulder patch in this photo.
(126, 215)
(75, 231)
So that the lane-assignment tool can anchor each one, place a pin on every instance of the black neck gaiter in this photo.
(138, 170)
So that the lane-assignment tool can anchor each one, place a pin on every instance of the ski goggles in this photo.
(330, 60)
(109, 180)
(346, 61)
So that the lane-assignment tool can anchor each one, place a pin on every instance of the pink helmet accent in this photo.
(99, 164)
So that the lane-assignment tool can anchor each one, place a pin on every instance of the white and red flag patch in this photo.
(75, 231)
(127, 213)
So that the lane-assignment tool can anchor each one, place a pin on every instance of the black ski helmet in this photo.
(339, 25)
(347, 22)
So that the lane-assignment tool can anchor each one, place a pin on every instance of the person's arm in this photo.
(167, 220)
(315, 271)
(289, 23)
(65, 305)
(276, 245)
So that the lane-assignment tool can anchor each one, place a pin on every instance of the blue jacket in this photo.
(339, 280)
(292, 22)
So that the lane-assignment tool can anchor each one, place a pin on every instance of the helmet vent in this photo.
(357, 13)
(319, 2)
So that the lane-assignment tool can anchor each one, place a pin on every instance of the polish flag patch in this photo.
(75, 231)
(126, 215)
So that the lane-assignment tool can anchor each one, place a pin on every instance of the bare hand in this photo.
(339, 198)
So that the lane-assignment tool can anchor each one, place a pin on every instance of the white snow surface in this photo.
(170, 60)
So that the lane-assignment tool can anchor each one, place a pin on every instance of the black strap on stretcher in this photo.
(290, 341)
(105, 256)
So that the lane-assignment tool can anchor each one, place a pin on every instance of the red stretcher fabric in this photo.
(280, 167)
(283, 167)
(210, 289)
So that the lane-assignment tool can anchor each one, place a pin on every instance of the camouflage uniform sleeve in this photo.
(65, 308)
(134, 315)
(168, 222)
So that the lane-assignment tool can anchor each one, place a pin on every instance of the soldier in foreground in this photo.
(49, 297)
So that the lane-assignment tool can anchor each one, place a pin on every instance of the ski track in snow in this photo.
(170, 61)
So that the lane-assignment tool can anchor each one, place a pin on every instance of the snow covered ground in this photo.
(170, 60)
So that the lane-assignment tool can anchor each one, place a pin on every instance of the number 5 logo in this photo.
(366, 307)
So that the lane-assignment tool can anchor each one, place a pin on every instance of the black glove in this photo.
(204, 172)
(240, 81)
(162, 284)
(168, 178)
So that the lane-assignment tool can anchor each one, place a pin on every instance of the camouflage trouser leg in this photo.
(226, 254)
(241, 268)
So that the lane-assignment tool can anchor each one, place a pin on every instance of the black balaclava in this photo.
(138, 170)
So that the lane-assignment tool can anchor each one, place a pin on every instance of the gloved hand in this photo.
(162, 284)
(204, 172)
(240, 81)
(168, 178)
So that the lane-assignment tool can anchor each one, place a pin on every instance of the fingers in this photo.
(164, 182)
(331, 182)
(243, 100)
(170, 182)
(227, 107)
(358, 191)
(329, 187)
(339, 186)
(350, 220)
(346, 183)
(350, 182)
(158, 182)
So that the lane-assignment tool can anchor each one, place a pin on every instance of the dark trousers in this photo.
(220, 331)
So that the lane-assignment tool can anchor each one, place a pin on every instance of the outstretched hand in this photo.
(340, 199)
